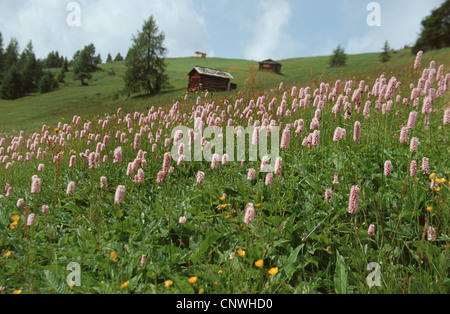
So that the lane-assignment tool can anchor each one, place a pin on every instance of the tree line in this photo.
(22, 73)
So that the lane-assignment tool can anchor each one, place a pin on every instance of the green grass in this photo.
(317, 246)
(98, 98)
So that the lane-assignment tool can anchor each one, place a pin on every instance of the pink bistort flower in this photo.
(425, 165)
(31, 220)
(387, 168)
(353, 200)
(120, 194)
(200, 177)
(70, 188)
(249, 214)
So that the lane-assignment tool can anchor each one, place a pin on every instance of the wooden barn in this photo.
(207, 79)
(270, 66)
(200, 54)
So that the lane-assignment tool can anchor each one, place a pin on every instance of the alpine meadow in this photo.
(116, 179)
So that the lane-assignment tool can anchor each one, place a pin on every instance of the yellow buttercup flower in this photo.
(193, 280)
(430, 208)
(258, 205)
(7, 254)
(168, 283)
(259, 263)
(223, 197)
(241, 252)
(441, 180)
(222, 206)
(220, 272)
(125, 284)
(17, 291)
(113, 256)
(432, 176)
(273, 271)
(15, 218)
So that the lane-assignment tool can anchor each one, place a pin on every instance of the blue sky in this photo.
(243, 29)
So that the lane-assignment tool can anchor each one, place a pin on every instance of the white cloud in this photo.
(269, 30)
(110, 25)
(400, 26)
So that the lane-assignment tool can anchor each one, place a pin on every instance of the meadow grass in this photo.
(105, 93)
(297, 243)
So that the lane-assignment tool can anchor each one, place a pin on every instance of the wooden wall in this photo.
(206, 82)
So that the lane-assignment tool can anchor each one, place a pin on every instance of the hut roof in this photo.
(211, 72)
(269, 61)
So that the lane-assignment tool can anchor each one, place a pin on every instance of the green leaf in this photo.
(291, 263)
(340, 275)
(206, 244)
(56, 283)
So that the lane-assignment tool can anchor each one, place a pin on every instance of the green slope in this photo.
(103, 95)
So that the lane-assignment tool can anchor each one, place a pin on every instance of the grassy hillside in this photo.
(103, 95)
(357, 201)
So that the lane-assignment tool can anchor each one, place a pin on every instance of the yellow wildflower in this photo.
(168, 283)
(241, 252)
(430, 208)
(193, 280)
(7, 254)
(222, 206)
(113, 256)
(125, 284)
(15, 218)
(17, 291)
(432, 176)
(259, 263)
(273, 271)
(223, 197)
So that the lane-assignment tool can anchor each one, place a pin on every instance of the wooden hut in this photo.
(200, 54)
(270, 66)
(207, 79)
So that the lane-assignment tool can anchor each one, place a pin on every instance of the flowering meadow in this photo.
(361, 179)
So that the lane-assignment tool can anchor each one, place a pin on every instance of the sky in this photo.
(238, 29)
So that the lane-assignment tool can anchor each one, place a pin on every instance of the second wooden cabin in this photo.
(270, 66)
(206, 79)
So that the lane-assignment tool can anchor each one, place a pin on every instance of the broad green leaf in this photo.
(340, 275)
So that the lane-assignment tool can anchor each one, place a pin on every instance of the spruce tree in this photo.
(339, 58)
(12, 84)
(1, 58)
(386, 54)
(146, 68)
(435, 33)
(118, 58)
